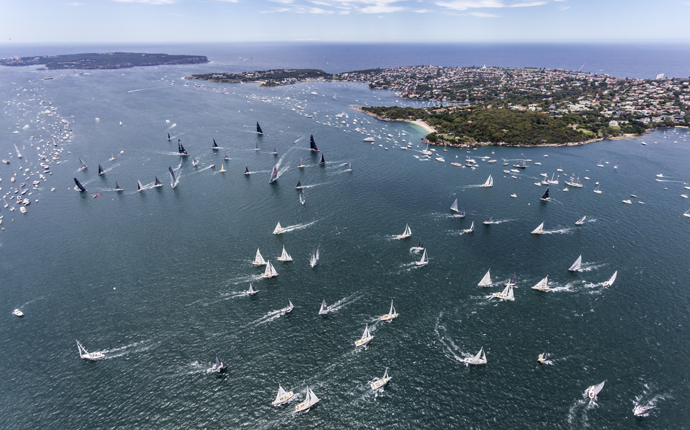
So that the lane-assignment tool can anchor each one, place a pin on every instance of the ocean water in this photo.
(155, 279)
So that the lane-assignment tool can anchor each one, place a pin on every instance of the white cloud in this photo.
(360, 6)
(75, 4)
(421, 11)
(483, 15)
(147, 1)
(283, 9)
(283, 1)
(564, 8)
(484, 4)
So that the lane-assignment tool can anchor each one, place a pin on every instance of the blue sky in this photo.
(160, 21)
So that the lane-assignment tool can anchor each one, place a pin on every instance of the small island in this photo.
(267, 78)
(108, 60)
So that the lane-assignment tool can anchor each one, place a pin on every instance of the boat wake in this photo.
(559, 231)
(471, 186)
(132, 348)
(313, 185)
(111, 168)
(30, 302)
(299, 226)
(141, 89)
(501, 221)
(588, 267)
(170, 128)
(345, 302)
(651, 403)
(243, 280)
(451, 350)
(577, 413)
(270, 316)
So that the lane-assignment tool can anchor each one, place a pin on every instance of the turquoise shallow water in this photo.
(154, 279)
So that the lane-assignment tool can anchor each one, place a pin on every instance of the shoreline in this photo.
(420, 123)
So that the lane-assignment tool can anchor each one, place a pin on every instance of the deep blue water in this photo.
(155, 279)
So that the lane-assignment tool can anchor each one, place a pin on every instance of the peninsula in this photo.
(267, 78)
(109, 60)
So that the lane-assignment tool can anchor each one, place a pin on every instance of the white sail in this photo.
(542, 285)
(454, 206)
(576, 265)
(314, 258)
(407, 233)
(222, 168)
(284, 256)
(489, 182)
(539, 229)
(469, 230)
(259, 259)
(506, 294)
(486, 280)
(612, 280)
(424, 260)
(270, 271)
(595, 389)
(281, 394)
(278, 229)
(390, 315)
(366, 337)
(581, 220)
(478, 359)
(324, 308)
(380, 383)
(312, 397)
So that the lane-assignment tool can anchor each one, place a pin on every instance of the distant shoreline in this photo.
(423, 124)
(107, 60)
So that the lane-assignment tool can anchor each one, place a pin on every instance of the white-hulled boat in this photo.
(278, 229)
(407, 233)
(597, 190)
(539, 229)
(454, 206)
(419, 247)
(251, 291)
(469, 230)
(687, 213)
(259, 259)
(489, 182)
(545, 197)
(553, 181)
(157, 183)
(86, 355)
(378, 384)
(506, 294)
(581, 220)
(600, 164)
(246, 171)
(478, 359)
(486, 280)
(576, 265)
(366, 337)
(489, 221)
(219, 366)
(627, 202)
(82, 166)
(301, 164)
(324, 308)
(287, 309)
(423, 261)
(17, 313)
(282, 397)
(284, 257)
(308, 402)
(595, 389)
(390, 316)
(541, 358)
(222, 168)
(314, 259)
(270, 271)
(195, 162)
(642, 411)
(611, 280)
(513, 195)
(542, 285)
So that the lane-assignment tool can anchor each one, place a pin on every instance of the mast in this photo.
(173, 182)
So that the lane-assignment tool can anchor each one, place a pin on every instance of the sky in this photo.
(378, 21)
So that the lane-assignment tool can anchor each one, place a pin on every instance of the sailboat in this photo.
(597, 190)
(195, 162)
(595, 389)
(287, 309)
(275, 151)
(222, 168)
(258, 128)
(419, 247)
(323, 161)
(422, 261)
(215, 146)
(284, 257)
(611, 280)
(541, 358)
(100, 170)
(82, 166)
(282, 397)
(274, 175)
(489, 221)
(542, 285)
(512, 281)
(486, 280)
(390, 316)
(314, 258)
(299, 185)
(576, 265)
(139, 186)
(469, 230)
(270, 271)
(489, 182)
(117, 187)
(687, 213)
(478, 359)
(581, 220)
(642, 411)
(301, 164)
(454, 206)
(251, 291)
(349, 168)
(378, 384)
(539, 229)
(180, 149)
(219, 366)
(324, 308)
(301, 198)
(366, 337)
(168, 137)
(616, 166)
(259, 259)
(506, 294)
(79, 185)
(157, 183)
(312, 144)
(278, 229)
(246, 171)
(553, 181)
(225, 157)
(86, 355)
(308, 402)
(600, 164)
(407, 233)
(545, 197)
(173, 181)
